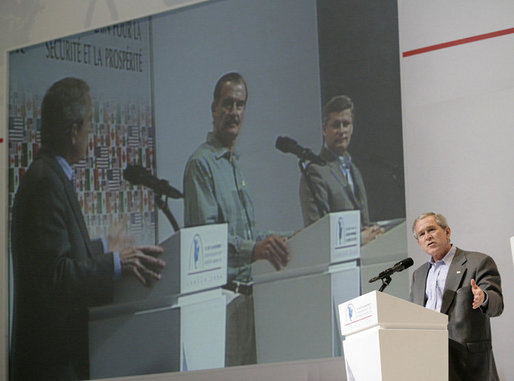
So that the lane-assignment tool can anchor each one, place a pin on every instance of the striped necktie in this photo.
(345, 167)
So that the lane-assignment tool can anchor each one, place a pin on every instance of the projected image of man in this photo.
(337, 186)
(215, 191)
(58, 270)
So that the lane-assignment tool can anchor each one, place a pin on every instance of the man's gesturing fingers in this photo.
(478, 295)
(273, 249)
(141, 262)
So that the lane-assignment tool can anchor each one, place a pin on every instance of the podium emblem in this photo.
(196, 255)
(340, 231)
(350, 313)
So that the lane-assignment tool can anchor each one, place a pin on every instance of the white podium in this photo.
(176, 324)
(295, 315)
(390, 339)
(296, 308)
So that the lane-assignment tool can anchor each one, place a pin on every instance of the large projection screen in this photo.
(155, 109)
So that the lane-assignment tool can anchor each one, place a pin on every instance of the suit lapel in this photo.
(72, 199)
(339, 176)
(358, 184)
(456, 272)
(341, 179)
(419, 291)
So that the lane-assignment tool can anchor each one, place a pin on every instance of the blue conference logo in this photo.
(350, 312)
(340, 230)
(196, 257)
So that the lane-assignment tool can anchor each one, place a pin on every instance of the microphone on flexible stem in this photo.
(288, 145)
(138, 175)
(400, 266)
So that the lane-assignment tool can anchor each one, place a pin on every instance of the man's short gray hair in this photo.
(64, 105)
(439, 219)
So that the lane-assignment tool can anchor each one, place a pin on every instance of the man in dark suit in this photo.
(338, 186)
(464, 285)
(58, 271)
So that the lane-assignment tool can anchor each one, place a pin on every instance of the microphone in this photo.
(400, 266)
(138, 175)
(288, 145)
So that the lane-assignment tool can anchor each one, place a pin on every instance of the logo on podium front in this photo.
(350, 313)
(356, 313)
(345, 235)
(196, 256)
(340, 231)
(203, 257)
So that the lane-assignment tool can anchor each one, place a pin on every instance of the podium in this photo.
(176, 324)
(296, 308)
(388, 338)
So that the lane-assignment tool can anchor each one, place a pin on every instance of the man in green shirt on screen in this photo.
(215, 192)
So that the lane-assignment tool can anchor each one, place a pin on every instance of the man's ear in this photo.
(73, 133)
(448, 232)
(324, 130)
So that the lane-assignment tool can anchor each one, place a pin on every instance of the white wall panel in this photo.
(459, 132)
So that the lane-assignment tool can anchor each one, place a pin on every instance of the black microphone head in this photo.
(286, 145)
(135, 174)
(408, 262)
(404, 264)
(138, 175)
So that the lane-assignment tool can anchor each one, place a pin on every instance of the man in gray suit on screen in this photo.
(464, 285)
(337, 186)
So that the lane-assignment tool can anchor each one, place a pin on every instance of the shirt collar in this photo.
(344, 158)
(447, 259)
(345, 161)
(66, 167)
(219, 150)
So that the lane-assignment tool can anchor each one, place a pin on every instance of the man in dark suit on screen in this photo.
(58, 270)
(464, 285)
(338, 185)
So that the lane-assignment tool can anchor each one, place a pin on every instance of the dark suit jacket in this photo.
(332, 190)
(469, 330)
(58, 273)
